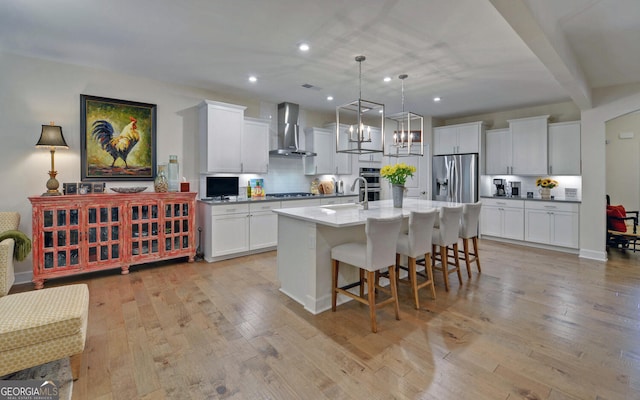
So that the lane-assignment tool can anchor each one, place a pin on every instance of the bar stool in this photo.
(417, 243)
(445, 237)
(469, 230)
(377, 253)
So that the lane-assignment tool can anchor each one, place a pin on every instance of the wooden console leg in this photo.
(38, 284)
(76, 361)
(125, 269)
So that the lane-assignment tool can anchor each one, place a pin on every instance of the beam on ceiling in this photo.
(550, 46)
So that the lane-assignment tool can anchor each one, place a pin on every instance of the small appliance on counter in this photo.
(499, 183)
(515, 188)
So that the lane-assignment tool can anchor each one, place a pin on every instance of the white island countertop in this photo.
(343, 215)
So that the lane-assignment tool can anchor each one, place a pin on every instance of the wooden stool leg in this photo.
(429, 269)
(76, 361)
(372, 299)
(457, 262)
(334, 283)
(475, 250)
(465, 245)
(444, 260)
(414, 279)
(394, 289)
(361, 283)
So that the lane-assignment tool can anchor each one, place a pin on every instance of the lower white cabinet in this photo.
(263, 225)
(338, 200)
(502, 218)
(229, 232)
(552, 223)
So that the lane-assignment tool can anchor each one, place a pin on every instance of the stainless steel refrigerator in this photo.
(455, 178)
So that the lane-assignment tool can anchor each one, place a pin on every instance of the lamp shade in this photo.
(51, 136)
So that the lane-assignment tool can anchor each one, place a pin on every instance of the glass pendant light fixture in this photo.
(360, 124)
(408, 133)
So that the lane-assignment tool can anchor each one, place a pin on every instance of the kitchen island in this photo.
(307, 234)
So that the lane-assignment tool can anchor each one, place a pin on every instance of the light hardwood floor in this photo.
(535, 324)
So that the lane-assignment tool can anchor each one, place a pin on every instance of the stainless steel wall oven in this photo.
(372, 176)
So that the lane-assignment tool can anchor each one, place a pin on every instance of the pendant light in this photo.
(360, 124)
(408, 133)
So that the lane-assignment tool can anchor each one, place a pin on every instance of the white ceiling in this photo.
(478, 55)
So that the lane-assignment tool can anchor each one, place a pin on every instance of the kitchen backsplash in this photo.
(529, 184)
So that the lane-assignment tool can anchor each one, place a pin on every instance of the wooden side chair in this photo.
(374, 255)
(414, 244)
(469, 231)
(445, 237)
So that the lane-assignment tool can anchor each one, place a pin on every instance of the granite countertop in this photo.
(270, 198)
(557, 198)
(342, 215)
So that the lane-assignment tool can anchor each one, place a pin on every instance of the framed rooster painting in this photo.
(118, 139)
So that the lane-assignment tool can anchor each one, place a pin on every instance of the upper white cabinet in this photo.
(343, 161)
(322, 142)
(376, 143)
(221, 127)
(255, 146)
(458, 139)
(497, 152)
(528, 146)
(564, 148)
(229, 142)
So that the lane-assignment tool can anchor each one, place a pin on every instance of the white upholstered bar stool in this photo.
(445, 237)
(469, 230)
(377, 253)
(415, 244)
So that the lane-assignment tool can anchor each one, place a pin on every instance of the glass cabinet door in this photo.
(176, 225)
(104, 232)
(61, 236)
(145, 227)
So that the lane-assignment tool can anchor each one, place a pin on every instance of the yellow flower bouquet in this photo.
(546, 183)
(397, 174)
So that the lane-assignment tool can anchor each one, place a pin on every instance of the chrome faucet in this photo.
(365, 203)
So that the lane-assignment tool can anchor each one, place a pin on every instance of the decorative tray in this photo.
(135, 189)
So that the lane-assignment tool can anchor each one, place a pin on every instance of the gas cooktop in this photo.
(292, 194)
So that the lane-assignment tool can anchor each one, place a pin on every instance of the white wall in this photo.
(34, 92)
(623, 160)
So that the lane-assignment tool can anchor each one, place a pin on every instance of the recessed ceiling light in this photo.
(436, 99)
(329, 98)
(303, 47)
(387, 79)
(253, 79)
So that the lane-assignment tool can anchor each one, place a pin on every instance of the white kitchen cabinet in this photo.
(529, 152)
(502, 218)
(229, 232)
(322, 142)
(458, 139)
(552, 223)
(376, 143)
(231, 143)
(263, 225)
(564, 148)
(343, 161)
(325, 201)
(255, 146)
(221, 127)
(497, 151)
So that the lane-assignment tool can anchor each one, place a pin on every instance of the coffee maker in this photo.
(515, 188)
(499, 183)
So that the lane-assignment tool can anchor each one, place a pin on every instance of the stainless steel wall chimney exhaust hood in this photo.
(288, 134)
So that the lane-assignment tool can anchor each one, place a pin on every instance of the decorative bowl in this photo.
(135, 189)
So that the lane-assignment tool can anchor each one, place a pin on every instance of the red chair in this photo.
(622, 227)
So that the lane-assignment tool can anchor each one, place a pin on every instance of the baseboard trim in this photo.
(593, 255)
(23, 277)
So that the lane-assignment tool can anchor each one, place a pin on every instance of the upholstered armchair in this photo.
(8, 221)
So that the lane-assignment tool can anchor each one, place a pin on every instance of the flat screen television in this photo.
(222, 186)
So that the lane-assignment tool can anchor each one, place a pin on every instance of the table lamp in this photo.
(51, 137)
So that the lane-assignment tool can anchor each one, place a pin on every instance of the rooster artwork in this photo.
(120, 145)
(118, 139)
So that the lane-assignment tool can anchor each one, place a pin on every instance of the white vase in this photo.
(545, 193)
(398, 193)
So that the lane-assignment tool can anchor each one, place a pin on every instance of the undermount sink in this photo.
(346, 206)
